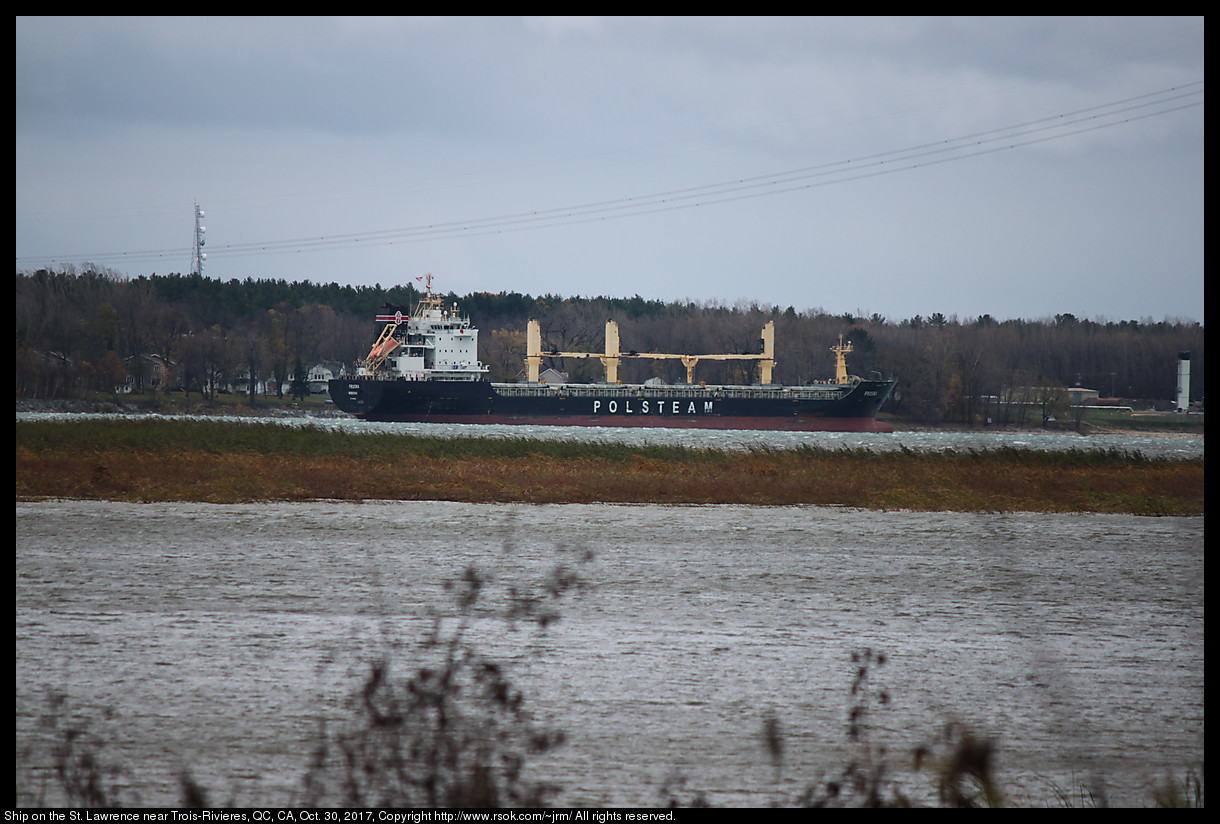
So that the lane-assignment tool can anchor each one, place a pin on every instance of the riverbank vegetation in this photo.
(153, 459)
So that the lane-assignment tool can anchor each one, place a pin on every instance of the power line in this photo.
(1057, 127)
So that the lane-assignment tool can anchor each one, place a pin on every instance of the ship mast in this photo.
(841, 351)
(429, 301)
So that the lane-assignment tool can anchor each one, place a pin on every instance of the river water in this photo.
(214, 638)
(1150, 444)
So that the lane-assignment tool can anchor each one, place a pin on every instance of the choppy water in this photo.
(217, 636)
(1152, 445)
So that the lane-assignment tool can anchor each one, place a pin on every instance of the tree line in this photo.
(89, 330)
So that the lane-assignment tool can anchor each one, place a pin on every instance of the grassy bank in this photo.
(1102, 419)
(225, 462)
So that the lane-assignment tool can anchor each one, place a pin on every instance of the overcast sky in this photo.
(899, 166)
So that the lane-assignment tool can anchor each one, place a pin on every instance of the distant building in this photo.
(146, 373)
(552, 376)
(1081, 396)
(317, 377)
(241, 385)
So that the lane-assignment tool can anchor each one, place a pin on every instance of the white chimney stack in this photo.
(1183, 381)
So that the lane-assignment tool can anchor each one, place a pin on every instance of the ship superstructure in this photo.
(431, 343)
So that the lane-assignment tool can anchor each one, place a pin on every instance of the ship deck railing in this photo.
(666, 391)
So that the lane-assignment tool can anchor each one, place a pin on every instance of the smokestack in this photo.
(1183, 381)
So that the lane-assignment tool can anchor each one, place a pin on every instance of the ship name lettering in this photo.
(646, 407)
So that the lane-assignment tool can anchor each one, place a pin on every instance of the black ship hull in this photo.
(826, 408)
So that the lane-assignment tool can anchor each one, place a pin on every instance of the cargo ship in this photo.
(424, 368)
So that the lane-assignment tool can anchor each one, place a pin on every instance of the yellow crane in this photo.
(613, 354)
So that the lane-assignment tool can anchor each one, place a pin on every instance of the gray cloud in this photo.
(335, 129)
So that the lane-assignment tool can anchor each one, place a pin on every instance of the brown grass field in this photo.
(218, 462)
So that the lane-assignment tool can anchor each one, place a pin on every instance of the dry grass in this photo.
(228, 463)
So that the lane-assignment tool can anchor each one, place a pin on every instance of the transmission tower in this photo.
(197, 254)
